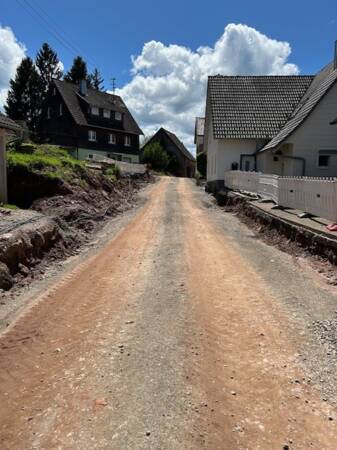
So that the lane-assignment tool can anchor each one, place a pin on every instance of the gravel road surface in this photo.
(183, 331)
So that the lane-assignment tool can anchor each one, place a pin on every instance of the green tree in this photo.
(202, 164)
(48, 65)
(24, 97)
(96, 80)
(78, 71)
(156, 156)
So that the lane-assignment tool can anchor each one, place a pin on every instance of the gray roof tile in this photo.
(254, 107)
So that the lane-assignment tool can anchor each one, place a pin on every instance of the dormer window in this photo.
(92, 136)
(112, 139)
(127, 141)
(106, 113)
(95, 111)
(118, 115)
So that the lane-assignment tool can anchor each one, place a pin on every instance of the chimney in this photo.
(335, 58)
(83, 87)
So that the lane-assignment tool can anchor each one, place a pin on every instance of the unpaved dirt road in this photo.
(183, 332)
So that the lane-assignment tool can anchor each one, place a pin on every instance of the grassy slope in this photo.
(50, 161)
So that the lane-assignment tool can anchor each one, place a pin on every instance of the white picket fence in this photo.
(317, 196)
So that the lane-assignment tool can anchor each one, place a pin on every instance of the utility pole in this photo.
(113, 82)
(3, 167)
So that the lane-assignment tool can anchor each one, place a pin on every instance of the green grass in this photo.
(50, 161)
(8, 206)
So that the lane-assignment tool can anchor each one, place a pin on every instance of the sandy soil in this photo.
(180, 333)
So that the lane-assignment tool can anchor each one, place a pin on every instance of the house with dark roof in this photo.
(89, 122)
(182, 162)
(273, 124)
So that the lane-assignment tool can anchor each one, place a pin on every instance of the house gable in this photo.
(319, 88)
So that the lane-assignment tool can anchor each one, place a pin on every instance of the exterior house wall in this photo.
(62, 130)
(222, 153)
(199, 143)
(314, 135)
(84, 153)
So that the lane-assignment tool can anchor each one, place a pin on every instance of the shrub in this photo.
(202, 164)
(113, 172)
(156, 156)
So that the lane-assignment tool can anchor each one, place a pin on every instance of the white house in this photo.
(274, 124)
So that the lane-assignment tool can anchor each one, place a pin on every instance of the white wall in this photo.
(221, 153)
(316, 134)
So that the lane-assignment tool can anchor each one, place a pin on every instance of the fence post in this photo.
(3, 167)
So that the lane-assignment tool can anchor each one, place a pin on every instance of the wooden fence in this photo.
(317, 196)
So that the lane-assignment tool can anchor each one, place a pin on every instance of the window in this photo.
(127, 141)
(118, 115)
(106, 113)
(92, 135)
(54, 91)
(112, 138)
(48, 112)
(61, 109)
(323, 161)
(95, 111)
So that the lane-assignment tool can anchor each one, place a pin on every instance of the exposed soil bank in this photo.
(62, 216)
(25, 236)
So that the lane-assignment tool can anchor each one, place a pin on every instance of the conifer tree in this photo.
(78, 71)
(24, 97)
(96, 80)
(48, 65)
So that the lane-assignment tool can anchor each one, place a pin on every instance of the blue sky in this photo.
(107, 33)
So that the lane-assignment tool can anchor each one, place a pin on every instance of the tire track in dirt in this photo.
(41, 353)
(257, 396)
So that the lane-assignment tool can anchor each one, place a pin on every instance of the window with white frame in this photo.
(95, 111)
(48, 112)
(127, 141)
(61, 109)
(106, 113)
(118, 115)
(92, 135)
(112, 138)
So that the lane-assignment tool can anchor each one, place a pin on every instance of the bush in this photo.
(156, 156)
(113, 172)
(202, 164)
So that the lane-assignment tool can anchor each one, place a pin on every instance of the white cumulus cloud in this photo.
(11, 54)
(168, 85)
